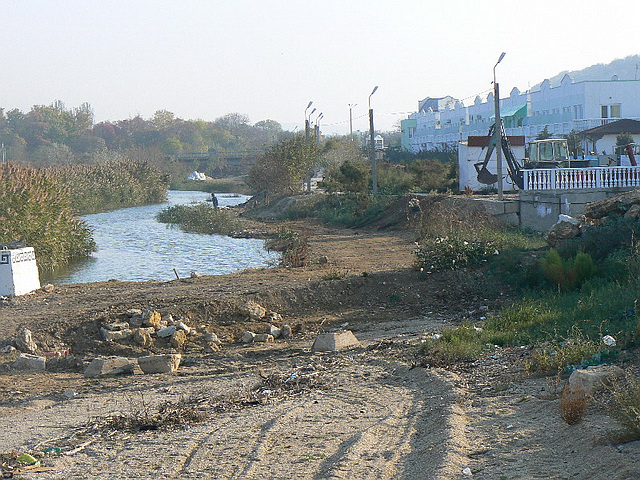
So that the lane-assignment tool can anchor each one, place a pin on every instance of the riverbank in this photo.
(371, 414)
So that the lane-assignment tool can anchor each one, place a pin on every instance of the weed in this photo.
(333, 275)
(573, 405)
(625, 405)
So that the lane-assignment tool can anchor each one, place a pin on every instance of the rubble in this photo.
(253, 310)
(592, 379)
(27, 361)
(167, 363)
(109, 366)
(25, 342)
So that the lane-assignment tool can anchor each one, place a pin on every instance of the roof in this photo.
(508, 112)
(624, 125)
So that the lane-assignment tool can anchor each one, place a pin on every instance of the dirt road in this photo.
(367, 412)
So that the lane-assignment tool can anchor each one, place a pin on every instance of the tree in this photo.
(544, 134)
(574, 144)
(623, 140)
(282, 168)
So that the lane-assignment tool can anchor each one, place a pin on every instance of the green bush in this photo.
(200, 218)
(568, 274)
(460, 344)
(625, 405)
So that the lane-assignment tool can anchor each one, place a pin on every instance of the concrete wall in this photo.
(539, 210)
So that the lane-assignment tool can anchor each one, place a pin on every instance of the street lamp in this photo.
(498, 127)
(351, 105)
(372, 152)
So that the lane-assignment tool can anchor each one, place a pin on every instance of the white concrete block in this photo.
(18, 272)
(331, 342)
(160, 363)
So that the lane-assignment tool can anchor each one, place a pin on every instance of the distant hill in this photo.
(625, 68)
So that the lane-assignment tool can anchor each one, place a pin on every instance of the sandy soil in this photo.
(370, 413)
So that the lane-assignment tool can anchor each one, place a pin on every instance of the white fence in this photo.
(581, 178)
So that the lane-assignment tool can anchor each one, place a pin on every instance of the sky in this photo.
(267, 59)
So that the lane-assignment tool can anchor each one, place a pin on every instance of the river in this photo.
(134, 246)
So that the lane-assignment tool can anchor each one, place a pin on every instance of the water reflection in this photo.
(133, 246)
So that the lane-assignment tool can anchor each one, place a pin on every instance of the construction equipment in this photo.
(513, 167)
(548, 153)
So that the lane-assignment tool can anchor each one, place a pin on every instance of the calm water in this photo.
(133, 246)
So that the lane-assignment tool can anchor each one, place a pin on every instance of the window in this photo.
(605, 111)
(615, 111)
(411, 131)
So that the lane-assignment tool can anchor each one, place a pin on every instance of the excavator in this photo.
(549, 153)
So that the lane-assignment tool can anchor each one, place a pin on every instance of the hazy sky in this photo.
(268, 58)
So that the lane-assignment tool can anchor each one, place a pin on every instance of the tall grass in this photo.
(113, 184)
(200, 218)
(35, 205)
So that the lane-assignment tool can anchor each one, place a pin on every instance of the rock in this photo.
(168, 319)
(592, 379)
(151, 319)
(212, 338)
(212, 348)
(184, 326)
(109, 366)
(194, 274)
(167, 363)
(25, 343)
(166, 331)
(133, 312)
(323, 260)
(633, 212)
(49, 288)
(253, 310)
(26, 361)
(69, 394)
(616, 204)
(331, 342)
(143, 337)
(285, 331)
(136, 322)
(117, 326)
(275, 331)
(247, 337)
(263, 338)
(466, 471)
(568, 218)
(8, 349)
(561, 231)
(178, 339)
(272, 317)
(117, 335)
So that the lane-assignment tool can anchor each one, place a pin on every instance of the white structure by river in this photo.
(134, 246)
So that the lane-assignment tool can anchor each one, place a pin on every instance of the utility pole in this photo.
(306, 140)
(498, 128)
(372, 147)
(351, 119)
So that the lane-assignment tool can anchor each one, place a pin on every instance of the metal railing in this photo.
(581, 178)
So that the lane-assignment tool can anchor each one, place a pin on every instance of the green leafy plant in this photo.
(200, 218)
(294, 247)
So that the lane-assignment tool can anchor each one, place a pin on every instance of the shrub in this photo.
(568, 274)
(294, 247)
(625, 405)
(451, 252)
(463, 343)
(573, 405)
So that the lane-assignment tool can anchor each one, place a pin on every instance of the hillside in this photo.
(625, 68)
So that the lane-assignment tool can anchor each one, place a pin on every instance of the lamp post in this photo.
(311, 168)
(372, 151)
(306, 139)
(351, 105)
(498, 127)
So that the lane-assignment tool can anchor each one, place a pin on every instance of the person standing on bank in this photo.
(214, 201)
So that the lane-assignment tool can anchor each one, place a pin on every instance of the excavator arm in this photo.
(513, 167)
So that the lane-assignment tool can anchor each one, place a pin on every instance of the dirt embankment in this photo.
(370, 412)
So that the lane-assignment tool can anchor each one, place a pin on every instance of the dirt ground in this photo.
(366, 412)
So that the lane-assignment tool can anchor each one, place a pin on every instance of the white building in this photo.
(570, 106)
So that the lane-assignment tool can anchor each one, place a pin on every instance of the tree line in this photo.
(57, 135)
